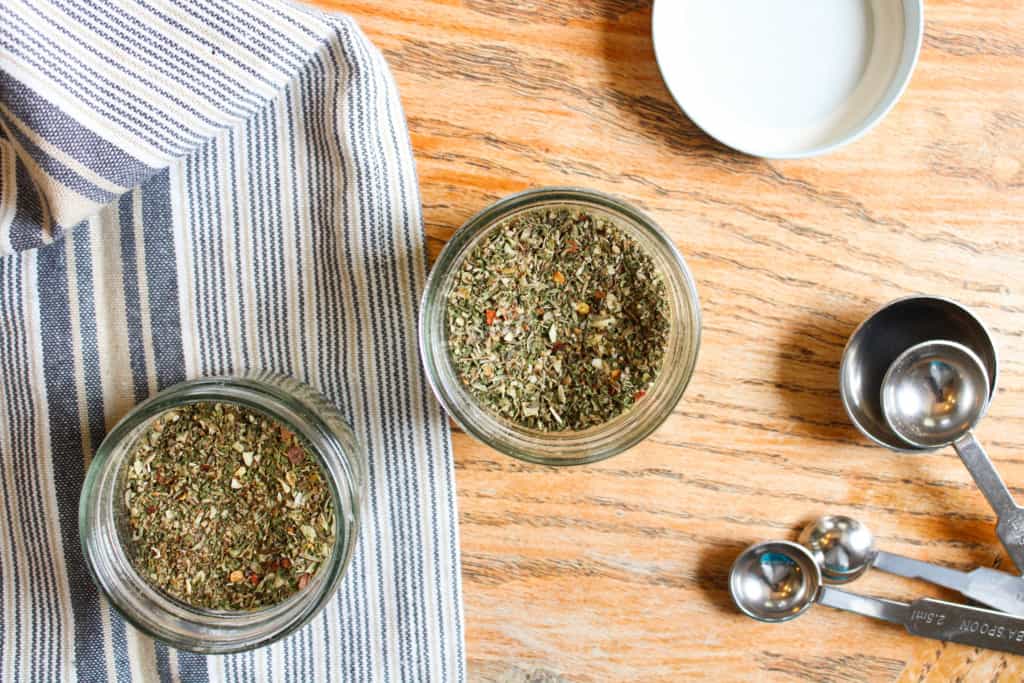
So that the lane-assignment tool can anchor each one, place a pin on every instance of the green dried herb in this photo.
(558, 320)
(226, 508)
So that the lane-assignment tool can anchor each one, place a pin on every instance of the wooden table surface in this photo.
(617, 571)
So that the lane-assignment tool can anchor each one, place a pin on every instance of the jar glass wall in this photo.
(101, 510)
(567, 447)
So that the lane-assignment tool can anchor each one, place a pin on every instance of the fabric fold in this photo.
(123, 89)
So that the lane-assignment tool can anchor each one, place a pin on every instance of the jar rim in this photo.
(565, 447)
(170, 620)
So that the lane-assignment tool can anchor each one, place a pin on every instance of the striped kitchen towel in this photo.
(199, 188)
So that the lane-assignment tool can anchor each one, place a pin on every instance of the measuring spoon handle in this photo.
(926, 571)
(999, 590)
(936, 619)
(993, 588)
(1010, 528)
(975, 626)
(866, 605)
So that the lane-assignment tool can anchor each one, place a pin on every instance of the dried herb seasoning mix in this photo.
(558, 320)
(226, 508)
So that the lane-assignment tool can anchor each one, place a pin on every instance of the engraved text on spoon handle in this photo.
(967, 625)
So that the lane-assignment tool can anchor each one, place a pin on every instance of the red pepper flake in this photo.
(205, 467)
(490, 315)
(295, 455)
(254, 579)
(572, 248)
(303, 580)
(598, 295)
(151, 509)
(558, 346)
(286, 563)
(639, 395)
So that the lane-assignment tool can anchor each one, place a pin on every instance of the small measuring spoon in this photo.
(778, 581)
(933, 395)
(844, 549)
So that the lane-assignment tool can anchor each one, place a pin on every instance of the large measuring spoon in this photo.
(778, 581)
(844, 549)
(933, 395)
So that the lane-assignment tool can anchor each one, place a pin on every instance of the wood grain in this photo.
(618, 571)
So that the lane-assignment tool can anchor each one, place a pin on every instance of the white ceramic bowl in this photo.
(787, 79)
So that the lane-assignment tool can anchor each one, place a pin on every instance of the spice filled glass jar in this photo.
(546, 331)
(136, 492)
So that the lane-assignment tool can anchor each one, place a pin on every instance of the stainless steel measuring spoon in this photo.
(844, 549)
(778, 581)
(933, 395)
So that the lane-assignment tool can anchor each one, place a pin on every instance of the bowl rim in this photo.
(913, 38)
(489, 216)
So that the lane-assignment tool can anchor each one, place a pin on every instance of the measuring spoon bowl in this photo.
(774, 581)
(887, 333)
(934, 393)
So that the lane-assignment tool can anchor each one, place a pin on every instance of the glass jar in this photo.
(567, 447)
(101, 510)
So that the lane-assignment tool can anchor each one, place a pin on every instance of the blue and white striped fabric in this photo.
(191, 189)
